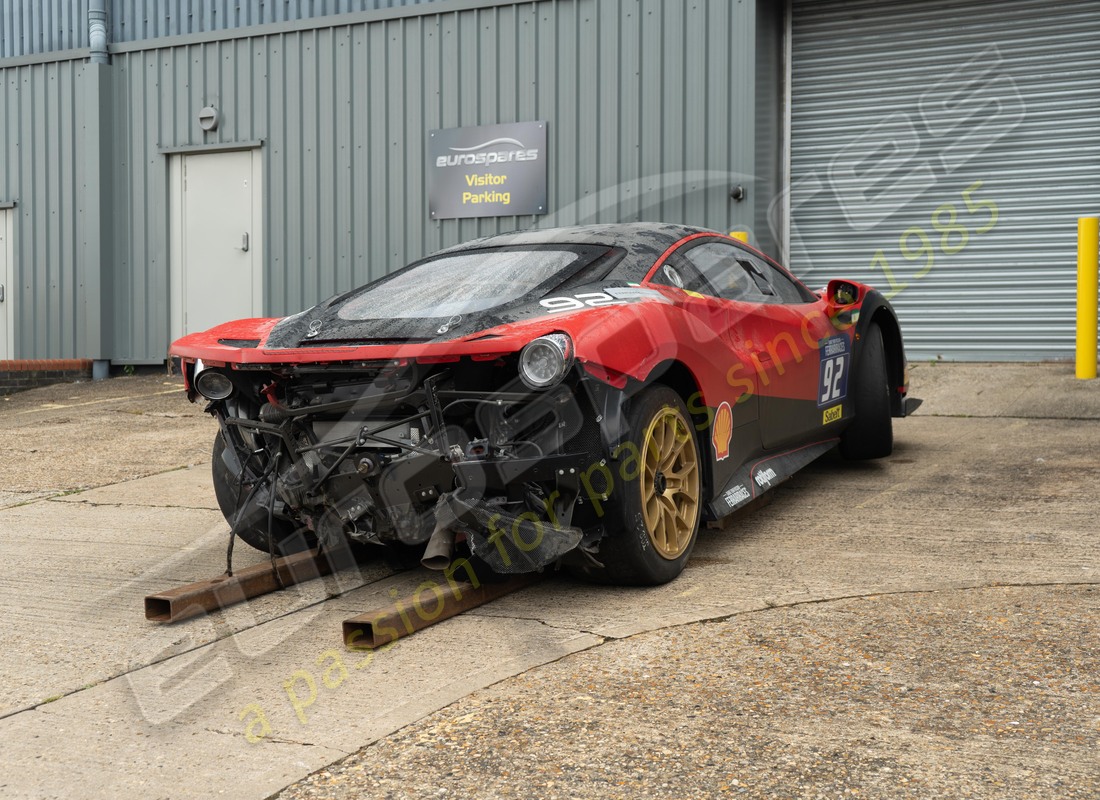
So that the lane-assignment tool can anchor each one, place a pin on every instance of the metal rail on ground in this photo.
(426, 606)
(203, 597)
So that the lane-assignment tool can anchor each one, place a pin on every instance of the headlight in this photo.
(210, 383)
(544, 361)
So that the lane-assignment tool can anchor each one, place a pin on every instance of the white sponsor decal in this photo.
(557, 305)
(738, 494)
(764, 477)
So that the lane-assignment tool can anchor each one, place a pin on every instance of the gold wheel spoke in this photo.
(653, 504)
(660, 529)
(652, 510)
(670, 462)
(678, 449)
(659, 440)
(669, 515)
(682, 472)
(677, 543)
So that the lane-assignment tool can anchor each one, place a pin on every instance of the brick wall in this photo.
(15, 376)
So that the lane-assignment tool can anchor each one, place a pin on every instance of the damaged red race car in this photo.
(583, 397)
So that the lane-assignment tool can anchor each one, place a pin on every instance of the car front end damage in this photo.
(489, 449)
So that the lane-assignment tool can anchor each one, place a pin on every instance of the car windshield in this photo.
(462, 283)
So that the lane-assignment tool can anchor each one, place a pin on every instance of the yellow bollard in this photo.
(740, 235)
(1088, 253)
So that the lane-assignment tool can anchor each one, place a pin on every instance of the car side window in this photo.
(683, 274)
(732, 277)
(786, 289)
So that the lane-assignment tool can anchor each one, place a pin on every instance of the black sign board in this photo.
(487, 171)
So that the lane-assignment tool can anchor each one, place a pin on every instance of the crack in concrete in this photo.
(45, 407)
(1008, 416)
(281, 740)
(94, 504)
(568, 628)
(771, 605)
(52, 494)
(41, 498)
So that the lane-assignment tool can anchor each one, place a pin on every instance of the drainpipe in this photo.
(95, 143)
(97, 31)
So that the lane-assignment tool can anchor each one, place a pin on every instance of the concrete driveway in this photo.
(918, 626)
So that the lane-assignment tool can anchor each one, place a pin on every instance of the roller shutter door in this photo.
(943, 151)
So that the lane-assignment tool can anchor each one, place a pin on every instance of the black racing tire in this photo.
(871, 434)
(655, 514)
(253, 529)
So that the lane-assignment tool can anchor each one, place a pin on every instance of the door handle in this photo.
(244, 243)
(1, 293)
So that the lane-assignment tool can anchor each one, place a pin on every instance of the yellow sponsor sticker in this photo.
(832, 414)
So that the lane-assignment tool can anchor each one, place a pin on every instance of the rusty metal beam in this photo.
(199, 598)
(432, 602)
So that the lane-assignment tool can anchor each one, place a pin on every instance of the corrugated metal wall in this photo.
(134, 20)
(943, 150)
(769, 121)
(45, 26)
(44, 116)
(27, 28)
(647, 120)
(640, 127)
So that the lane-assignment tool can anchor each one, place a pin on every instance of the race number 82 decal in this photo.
(836, 359)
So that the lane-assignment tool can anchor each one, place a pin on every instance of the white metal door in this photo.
(216, 239)
(7, 290)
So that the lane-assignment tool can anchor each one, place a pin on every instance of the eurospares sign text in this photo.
(487, 171)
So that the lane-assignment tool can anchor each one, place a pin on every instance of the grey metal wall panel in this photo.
(134, 20)
(30, 27)
(648, 119)
(41, 26)
(770, 90)
(942, 95)
(41, 119)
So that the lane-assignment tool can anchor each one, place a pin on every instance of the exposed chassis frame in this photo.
(510, 545)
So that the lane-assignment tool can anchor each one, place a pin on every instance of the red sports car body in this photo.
(583, 396)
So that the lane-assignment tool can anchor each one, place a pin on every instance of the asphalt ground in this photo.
(922, 626)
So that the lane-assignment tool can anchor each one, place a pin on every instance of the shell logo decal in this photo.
(722, 431)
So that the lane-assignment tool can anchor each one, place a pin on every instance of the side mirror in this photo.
(842, 293)
(840, 297)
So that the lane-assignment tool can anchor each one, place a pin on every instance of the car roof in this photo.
(638, 238)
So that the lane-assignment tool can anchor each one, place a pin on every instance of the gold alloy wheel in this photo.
(670, 482)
